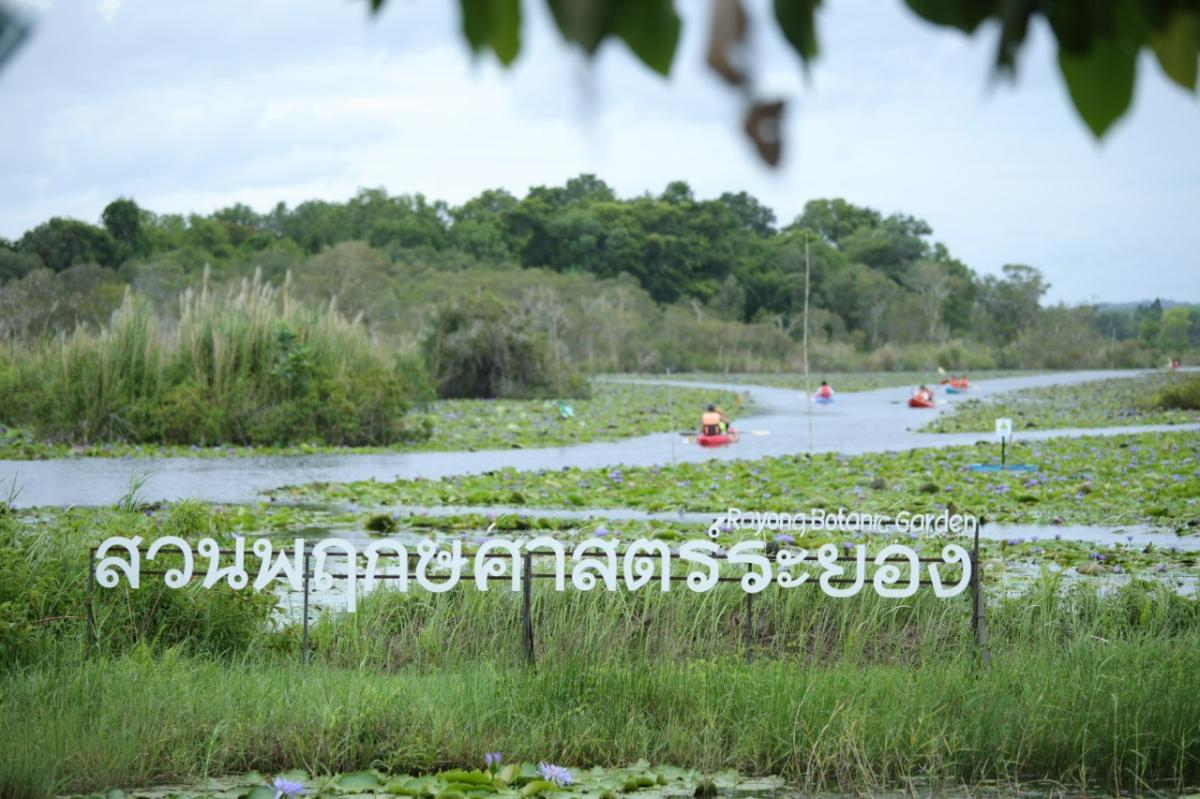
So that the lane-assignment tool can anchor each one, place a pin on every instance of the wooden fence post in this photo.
(89, 638)
(979, 605)
(304, 633)
(526, 607)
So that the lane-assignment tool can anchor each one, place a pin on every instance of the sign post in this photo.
(1004, 433)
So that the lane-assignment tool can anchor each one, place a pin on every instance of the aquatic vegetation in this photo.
(1180, 393)
(613, 412)
(1145, 478)
(1098, 403)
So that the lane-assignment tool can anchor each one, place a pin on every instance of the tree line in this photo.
(877, 281)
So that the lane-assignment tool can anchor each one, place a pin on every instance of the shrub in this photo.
(1181, 393)
(482, 348)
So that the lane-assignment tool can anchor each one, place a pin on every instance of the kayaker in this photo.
(713, 422)
(924, 394)
(825, 391)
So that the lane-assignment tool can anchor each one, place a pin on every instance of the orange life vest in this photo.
(710, 423)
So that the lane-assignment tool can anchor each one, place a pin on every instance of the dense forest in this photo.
(611, 283)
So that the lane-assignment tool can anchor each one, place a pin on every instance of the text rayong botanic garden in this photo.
(593, 562)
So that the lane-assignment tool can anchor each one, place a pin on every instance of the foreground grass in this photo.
(1148, 478)
(615, 411)
(1086, 687)
(1122, 714)
(1099, 403)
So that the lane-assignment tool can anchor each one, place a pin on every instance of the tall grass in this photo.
(1124, 715)
(243, 366)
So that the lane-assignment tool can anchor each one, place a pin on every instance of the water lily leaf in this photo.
(357, 782)
(258, 792)
(471, 787)
(475, 777)
(538, 787)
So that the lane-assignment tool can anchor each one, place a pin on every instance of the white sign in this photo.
(594, 562)
(1004, 429)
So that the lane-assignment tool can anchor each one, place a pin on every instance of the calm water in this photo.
(871, 421)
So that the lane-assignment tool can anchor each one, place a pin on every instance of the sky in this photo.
(190, 107)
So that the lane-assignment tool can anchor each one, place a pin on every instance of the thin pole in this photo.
(978, 620)
(807, 385)
(671, 415)
(91, 616)
(749, 631)
(526, 608)
(304, 633)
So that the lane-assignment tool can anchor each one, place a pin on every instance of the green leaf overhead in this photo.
(1175, 43)
(493, 25)
(1100, 82)
(1097, 54)
(650, 27)
(797, 21)
(966, 15)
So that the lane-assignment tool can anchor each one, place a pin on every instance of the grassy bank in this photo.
(1099, 403)
(1146, 478)
(613, 412)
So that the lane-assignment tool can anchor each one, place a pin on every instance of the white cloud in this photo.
(108, 8)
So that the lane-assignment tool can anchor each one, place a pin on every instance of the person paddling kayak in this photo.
(713, 422)
(921, 398)
(824, 394)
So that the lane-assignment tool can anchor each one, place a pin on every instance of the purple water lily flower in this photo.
(492, 760)
(285, 787)
(555, 774)
(784, 538)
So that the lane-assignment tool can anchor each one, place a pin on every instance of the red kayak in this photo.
(719, 440)
(920, 402)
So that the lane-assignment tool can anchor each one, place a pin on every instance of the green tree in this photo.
(122, 219)
(1010, 304)
(61, 243)
(1174, 329)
